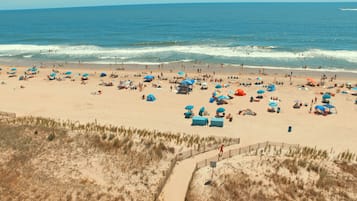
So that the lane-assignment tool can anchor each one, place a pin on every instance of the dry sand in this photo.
(73, 100)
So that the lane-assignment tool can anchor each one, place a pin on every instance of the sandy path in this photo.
(176, 186)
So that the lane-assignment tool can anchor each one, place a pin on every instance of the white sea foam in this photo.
(348, 9)
(205, 50)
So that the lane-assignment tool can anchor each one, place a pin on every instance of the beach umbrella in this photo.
(259, 78)
(329, 106)
(326, 96)
(222, 97)
(354, 89)
(218, 86)
(68, 73)
(311, 80)
(53, 74)
(149, 77)
(273, 104)
(185, 82)
(13, 69)
(220, 109)
(320, 107)
(150, 98)
(189, 107)
(181, 73)
(85, 75)
(260, 91)
(271, 88)
(240, 92)
(211, 100)
(103, 74)
(202, 109)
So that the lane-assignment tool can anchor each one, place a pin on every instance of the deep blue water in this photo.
(269, 34)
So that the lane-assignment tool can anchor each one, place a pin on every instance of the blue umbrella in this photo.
(103, 74)
(185, 82)
(202, 109)
(85, 75)
(221, 109)
(211, 100)
(189, 107)
(13, 69)
(150, 98)
(320, 107)
(181, 73)
(271, 88)
(326, 96)
(222, 97)
(260, 91)
(68, 73)
(273, 104)
(218, 86)
(329, 106)
(149, 77)
(354, 89)
(53, 74)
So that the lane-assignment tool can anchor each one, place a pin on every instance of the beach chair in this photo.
(199, 121)
(188, 114)
(216, 122)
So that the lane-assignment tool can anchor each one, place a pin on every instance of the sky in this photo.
(30, 4)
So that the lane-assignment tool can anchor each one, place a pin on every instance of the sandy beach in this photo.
(69, 99)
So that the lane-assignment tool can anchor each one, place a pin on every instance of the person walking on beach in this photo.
(220, 154)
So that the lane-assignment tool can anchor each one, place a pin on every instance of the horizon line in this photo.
(153, 4)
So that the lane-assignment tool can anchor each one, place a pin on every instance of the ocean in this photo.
(317, 35)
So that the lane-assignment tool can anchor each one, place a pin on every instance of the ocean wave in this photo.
(95, 52)
(348, 9)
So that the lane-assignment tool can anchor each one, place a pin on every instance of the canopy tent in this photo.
(188, 82)
(150, 98)
(240, 92)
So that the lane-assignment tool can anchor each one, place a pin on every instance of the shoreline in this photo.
(187, 66)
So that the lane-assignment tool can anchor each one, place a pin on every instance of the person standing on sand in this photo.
(220, 154)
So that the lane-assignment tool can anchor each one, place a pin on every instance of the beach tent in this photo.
(218, 86)
(240, 92)
(150, 98)
(103, 74)
(220, 110)
(260, 91)
(271, 88)
(189, 107)
(68, 73)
